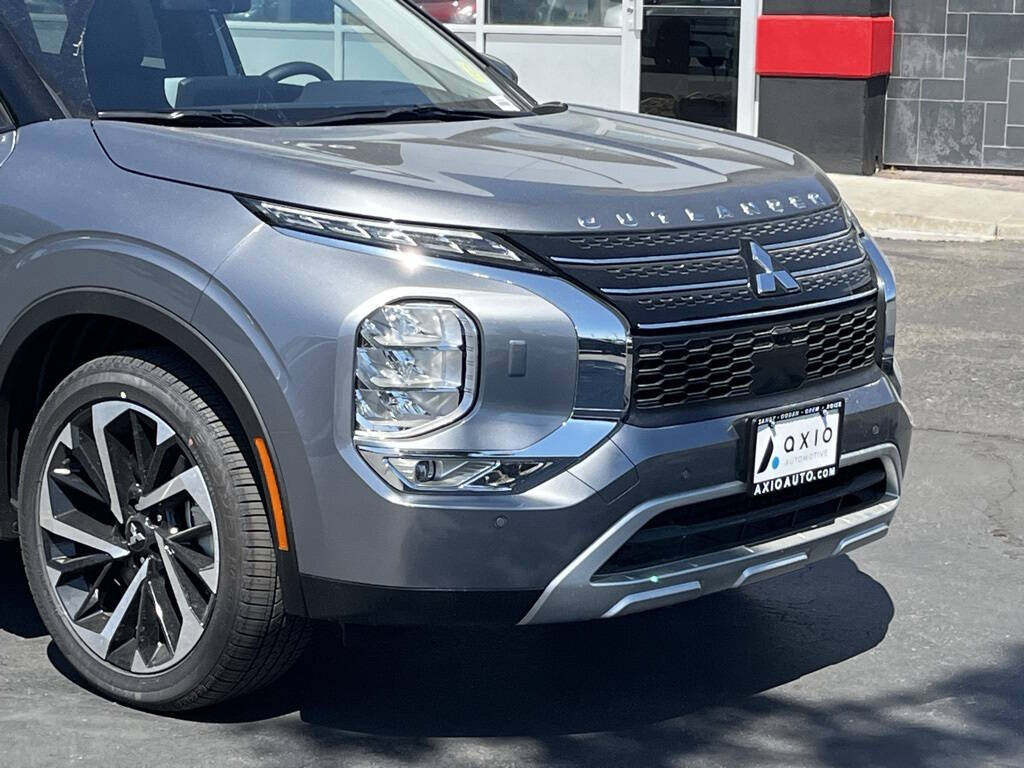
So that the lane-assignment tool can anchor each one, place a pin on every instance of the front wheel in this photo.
(145, 539)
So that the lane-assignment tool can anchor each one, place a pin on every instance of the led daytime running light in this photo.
(406, 238)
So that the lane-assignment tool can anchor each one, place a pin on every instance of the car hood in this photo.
(580, 169)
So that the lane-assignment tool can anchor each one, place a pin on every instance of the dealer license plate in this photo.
(795, 448)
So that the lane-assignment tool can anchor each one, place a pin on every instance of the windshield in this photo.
(232, 56)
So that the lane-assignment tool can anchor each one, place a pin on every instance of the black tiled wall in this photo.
(956, 95)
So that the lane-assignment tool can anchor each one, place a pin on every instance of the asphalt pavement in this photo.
(909, 654)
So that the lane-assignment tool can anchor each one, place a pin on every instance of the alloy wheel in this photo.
(129, 537)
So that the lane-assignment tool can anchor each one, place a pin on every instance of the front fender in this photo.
(235, 383)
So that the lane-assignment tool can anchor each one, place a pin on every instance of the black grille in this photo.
(752, 359)
(670, 280)
(698, 529)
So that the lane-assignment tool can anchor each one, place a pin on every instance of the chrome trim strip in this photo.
(572, 440)
(702, 254)
(630, 601)
(830, 267)
(887, 285)
(859, 539)
(646, 259)
(574, 594)
(817, 240)
(772, 566)
(761, 313)
(674, 288)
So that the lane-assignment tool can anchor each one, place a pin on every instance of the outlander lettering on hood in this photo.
(744, 209)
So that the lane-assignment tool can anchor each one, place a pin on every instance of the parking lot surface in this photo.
(909, 654)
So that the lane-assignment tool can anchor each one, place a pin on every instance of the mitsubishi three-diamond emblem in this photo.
(765, 279)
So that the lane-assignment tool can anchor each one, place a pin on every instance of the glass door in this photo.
(689, 61)
(692, 60)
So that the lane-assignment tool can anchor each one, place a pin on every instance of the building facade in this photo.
(956, 95)
(856, 84)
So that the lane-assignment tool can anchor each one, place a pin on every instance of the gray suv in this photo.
(306, 322)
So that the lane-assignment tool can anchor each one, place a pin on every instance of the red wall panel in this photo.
(824, 46)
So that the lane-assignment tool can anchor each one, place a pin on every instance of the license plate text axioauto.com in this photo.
(792, 481)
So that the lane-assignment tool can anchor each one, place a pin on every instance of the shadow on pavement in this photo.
(18, 613)
(691, 682)
(652, 691)
(563, 679)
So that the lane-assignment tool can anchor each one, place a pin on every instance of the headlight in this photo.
(403, 238)
(416, 369)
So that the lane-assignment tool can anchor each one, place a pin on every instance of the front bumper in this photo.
(576, 595)
(541, 563)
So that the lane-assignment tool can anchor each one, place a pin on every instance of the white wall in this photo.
(583, 69)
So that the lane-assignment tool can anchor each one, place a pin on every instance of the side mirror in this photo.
(503, 68)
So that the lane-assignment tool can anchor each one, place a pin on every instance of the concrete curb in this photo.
(915, 210)
(1010, 230)
(911, 227)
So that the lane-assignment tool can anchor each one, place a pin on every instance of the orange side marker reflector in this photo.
(276, 507)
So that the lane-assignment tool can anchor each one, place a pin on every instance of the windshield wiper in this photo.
(399, 114)
(194, 118)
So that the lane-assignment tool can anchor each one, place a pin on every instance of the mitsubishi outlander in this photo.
(350, 327)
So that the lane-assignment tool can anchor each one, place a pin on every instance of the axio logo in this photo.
(768, 457)
(765, 280)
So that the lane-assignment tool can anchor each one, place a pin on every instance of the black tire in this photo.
(247, 640)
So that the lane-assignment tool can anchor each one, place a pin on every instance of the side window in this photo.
(50, 22)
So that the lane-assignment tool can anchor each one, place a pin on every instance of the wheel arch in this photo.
(31, 344)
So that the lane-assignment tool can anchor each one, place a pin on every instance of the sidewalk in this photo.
(937, 206)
